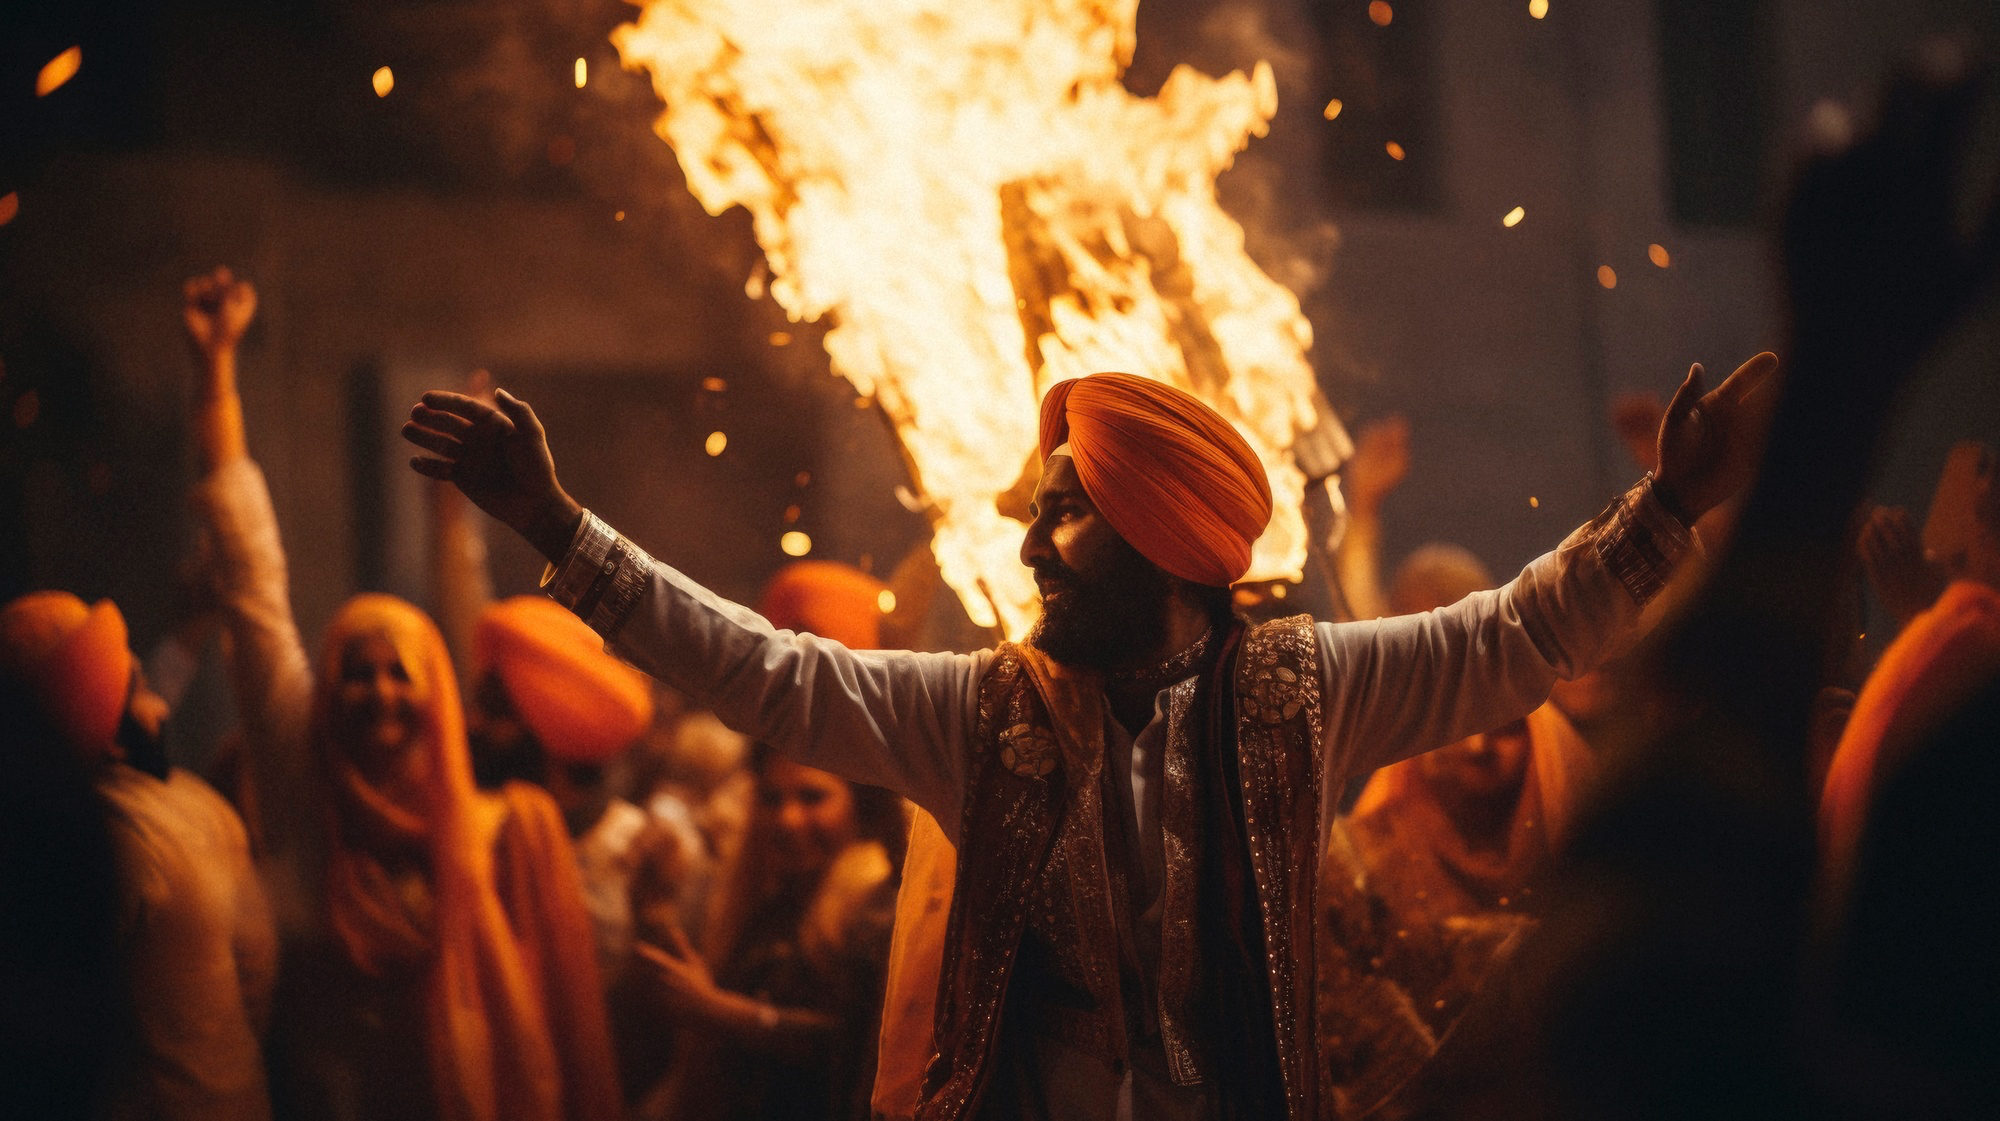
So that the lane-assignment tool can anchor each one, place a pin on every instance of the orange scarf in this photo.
(513, 1017)
(1399, 803)
(1939, 661)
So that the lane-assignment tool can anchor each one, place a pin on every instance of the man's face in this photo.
(503, 749)
(1102, 603)
(808, 815)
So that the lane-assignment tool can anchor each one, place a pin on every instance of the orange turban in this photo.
(1170, 475)
(830, 600)
(73, 658)
(582, 704)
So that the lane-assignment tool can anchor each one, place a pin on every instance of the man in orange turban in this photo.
(196, 937)
(1136, 793)
(550, 707)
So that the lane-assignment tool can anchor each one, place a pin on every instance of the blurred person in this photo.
(67, 1013)
(1429, 878)
(438, 956)
(452, 970)
(552, 703)
(776, 1015)
(1681, 970)
(193, 938)
(1051, 756)
(1948, 651)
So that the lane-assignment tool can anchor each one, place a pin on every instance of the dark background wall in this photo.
(473, 219)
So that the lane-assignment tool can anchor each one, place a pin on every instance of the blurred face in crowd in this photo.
(503, 749)
(808, 815)
(1482, 767)
(375, 705)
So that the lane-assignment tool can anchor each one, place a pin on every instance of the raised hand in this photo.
(1893, 557)
(218, 308)
(498, 456)
(1380, 461)
(1709, 441)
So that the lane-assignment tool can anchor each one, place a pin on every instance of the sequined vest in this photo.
(1039, 919)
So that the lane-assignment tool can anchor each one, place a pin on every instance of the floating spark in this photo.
(981, 210)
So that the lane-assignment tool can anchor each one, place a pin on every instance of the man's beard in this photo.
(1104, 621)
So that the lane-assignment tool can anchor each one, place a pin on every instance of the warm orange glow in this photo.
(1657, 253)
(57, 71)
(384, 81)
(618, 216)
(885, 601)
(795, 544)
(1394, 149)
(1381, 13)
(714, 385)
(1538, 8)
(1332, 109)
(979, 206)
(1534, 503)
(1607, 276)
(1513, 217)
(781, 338)
(582, 72)
(715, 443)
(10, 205)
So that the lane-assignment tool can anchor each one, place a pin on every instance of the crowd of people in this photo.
(1645, 831)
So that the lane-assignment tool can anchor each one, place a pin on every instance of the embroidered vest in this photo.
(1039, 916)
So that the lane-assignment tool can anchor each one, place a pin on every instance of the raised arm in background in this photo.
(268, 669)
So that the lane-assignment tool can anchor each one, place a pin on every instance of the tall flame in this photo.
(982, 210)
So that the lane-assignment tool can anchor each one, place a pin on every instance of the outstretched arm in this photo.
(888, 718)
(1402, 686)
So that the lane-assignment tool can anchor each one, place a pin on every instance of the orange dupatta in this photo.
(492, 994)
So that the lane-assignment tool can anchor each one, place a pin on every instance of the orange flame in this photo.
(982, 210)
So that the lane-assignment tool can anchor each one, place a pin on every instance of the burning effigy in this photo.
(979, 208)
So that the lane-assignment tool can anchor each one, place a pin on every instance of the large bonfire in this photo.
(980, 209)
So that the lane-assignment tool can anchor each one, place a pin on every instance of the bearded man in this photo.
(1138, 792)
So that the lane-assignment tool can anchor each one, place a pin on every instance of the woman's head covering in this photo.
(827, 599)
(74, 660)
(509, 1037)
(1559, 770)
(1171, 476)
(582, 704)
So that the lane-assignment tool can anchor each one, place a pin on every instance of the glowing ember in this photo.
(885, 601)
(1657, 254)
(384, 81)
(1538, 8)
(10, 205)
(58, 71)
(795, 544)
(781, 338)
(1332, 109)
(1381, 13)
(982, 210)
(582, 72)
(1514, 217)
(1395, 150)
(1607, 276)
(715, 443)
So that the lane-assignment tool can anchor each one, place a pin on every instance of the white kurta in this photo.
(1390, 688)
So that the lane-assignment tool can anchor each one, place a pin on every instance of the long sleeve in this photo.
(893, 719)
(268, 668)
(1401, 686)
